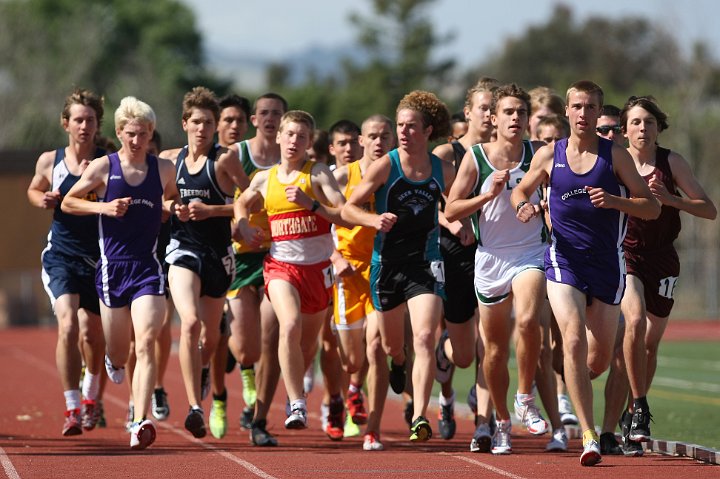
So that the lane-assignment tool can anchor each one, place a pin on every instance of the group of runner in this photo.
(435, 260)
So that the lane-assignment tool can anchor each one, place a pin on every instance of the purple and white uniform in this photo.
(586, 250)
(128, 266)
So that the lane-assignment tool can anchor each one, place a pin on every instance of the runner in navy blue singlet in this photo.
(588, 178)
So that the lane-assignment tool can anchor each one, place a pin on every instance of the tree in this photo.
(151, 50)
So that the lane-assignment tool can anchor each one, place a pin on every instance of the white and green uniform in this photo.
(506, 247)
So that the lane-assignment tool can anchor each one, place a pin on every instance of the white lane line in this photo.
(7, 465)
(489, 467)
(48, 368)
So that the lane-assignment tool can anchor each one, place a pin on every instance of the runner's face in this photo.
(583, 110)
(511, 118)
(345, 148)
(82, 124)
(377, 139)
(135, 137)
(642, 128)
(294, 140)
(478, 114)
(233, 125)
(410, 130)
(268, 113)
(200, 128)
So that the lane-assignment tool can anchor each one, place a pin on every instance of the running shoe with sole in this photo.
(609, 445)
(501, 443)
(351, 429)
(446, 421)
(443, 366)
(297, 419)
(356, 407)
(482, 439)
(259, 436)
(420, 430)
(160, 406)
(248, 382)
(591, 449)
(73, 423)
(195, 422)
(218, 419)
(528, 413)
(558, 442)
(116, 375)
(566, 413)
(629, 448)
(397, 377)
(371, 442)
(142, 434)
(90, 414)
(335, 426)
(246, 418)
(640, 425)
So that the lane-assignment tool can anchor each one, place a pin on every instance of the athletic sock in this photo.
(220, 397)
(641, 403)
(91, 385)
(445, 401)
(243, 367)
(298, 404)
(72, 399)
(353, 388)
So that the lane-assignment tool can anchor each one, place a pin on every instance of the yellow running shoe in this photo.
(218, 419)
(351, 429)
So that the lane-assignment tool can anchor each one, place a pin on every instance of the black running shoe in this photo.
(195, 422)
(446, 422)
(246, 419)
(640, 425)
(397, 377)
(160, 406)
(632, 449)
(609, 445)
(409, 411)
(259, 435)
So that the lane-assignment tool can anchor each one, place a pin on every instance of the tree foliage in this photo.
(151, 50)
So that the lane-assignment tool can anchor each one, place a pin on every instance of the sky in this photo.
(276, 29)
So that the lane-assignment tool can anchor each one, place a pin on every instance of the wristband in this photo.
(315, 205)
(520, 205)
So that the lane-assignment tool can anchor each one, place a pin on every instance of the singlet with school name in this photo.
(497, 224)
(299, 236)
(72, 234)
(647, 236)
(258, 218)
(357, 242)
(415, 236)
(134, 235)
(576, 224)
(202, 186)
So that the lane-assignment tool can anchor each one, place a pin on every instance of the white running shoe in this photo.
(116, 375)
(528, 413)
(591, 453)
(142, 434)
(558, 442)
(297, 419)
(372, 442)
(501, 441)
(566, 413)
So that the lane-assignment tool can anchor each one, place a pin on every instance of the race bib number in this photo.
(329, 276)
(667, 287)
(438, 270)
(229, 264)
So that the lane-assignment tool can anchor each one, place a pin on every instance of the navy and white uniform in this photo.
(129, 267)
(203, 247)
(586, 250)
(406, 260)
(72, 252)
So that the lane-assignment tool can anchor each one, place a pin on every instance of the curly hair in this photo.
(434, 112)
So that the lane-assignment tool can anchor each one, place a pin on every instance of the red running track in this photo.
(31, 445)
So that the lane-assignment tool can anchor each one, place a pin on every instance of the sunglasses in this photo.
(605, 129)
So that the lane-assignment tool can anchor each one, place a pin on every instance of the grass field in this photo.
(684, 398)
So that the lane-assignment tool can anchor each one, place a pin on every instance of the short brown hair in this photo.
(434, 112)
(585, 86)
(298, 116)
(81, 96)
(509, 90)
(649, 104)
(203, 98)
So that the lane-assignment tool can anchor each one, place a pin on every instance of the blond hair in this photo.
(132, 109)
